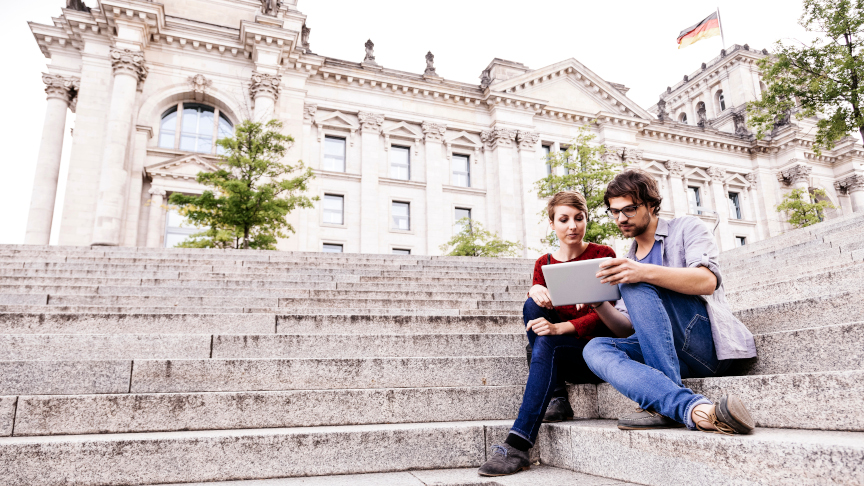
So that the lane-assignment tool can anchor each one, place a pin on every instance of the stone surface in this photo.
(64, 377)
(8, 406)
(376, 324)
(136, 323)
(102, 346)
(23, 299)
(839, 307)
(827, 348)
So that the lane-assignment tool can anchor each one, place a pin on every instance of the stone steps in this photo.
(808, 286)
(837, 307)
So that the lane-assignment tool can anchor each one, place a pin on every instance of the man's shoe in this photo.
(645, 420)
(505, 460)
(559, 410)
(729, 417)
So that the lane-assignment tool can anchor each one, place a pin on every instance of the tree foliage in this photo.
(252, 194)
(825, 76)
(584, 169)
(800, 211)
(473, 240)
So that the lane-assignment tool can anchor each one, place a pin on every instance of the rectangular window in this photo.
(460, 214)
(334, 154)
(401, 251)
(734, 206)
(401, 216)
(177, 229)
(546, 151)
(331, 248)
(695, 200)
(461, 170)
(740, 241)
(333, 209)
(400, 163)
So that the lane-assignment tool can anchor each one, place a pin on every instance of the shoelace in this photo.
(500, 450)
(640, 410)
(721, 427)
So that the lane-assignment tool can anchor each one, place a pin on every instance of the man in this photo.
(672, 290)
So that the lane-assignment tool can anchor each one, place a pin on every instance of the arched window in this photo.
(193, 127)
(682, 118)
(720, 100)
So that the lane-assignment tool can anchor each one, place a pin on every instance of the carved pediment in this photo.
(184, 167)
(463, 139)
(337, 120)
(737, 180)
(656, 168)
(697, 174)
(403, 130)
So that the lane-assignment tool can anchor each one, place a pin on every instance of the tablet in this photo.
(575, 283)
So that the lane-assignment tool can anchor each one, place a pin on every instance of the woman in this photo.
(557, 336)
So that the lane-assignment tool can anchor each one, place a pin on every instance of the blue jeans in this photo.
(554, 359)
(672, 341)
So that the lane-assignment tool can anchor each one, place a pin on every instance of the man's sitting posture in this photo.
(673, 291)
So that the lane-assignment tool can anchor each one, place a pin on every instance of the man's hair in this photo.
(636, 184)
(566, 198)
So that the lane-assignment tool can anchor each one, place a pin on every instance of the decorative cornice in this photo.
(794, 174)
(675, 168)
(527, 140)
(309, 111)
(61, 87)
(127, 61)
(498, 137)
(718, 174)
(370, 122)
(200, 84)
(434, 131)
(265, 85)
(853, 183)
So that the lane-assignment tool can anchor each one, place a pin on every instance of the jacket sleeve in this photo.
(700, 249)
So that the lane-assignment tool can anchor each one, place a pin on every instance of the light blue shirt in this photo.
(686, 242)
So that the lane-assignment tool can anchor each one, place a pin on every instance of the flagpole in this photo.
(720, 22)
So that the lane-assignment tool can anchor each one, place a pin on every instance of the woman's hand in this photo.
(542, 327)
(541, 297)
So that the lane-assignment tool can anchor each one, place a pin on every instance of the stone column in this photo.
(436, 167)
(504, 207)
(370, 215)
(721, 205)
(61, 91)
(854, 186)
(129, 70)
(798, 177)
(680, 204)
(143, 135)
(155, 225)
(755, 210)
(528, 162)
(264, 92)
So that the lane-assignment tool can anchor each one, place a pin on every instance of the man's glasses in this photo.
(628, 211)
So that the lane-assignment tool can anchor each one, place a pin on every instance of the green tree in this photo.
(587, 171)
(252, 194)
(800, 211)
(473, 240)
(826, 77)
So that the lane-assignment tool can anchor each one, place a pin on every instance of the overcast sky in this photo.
(625, 41)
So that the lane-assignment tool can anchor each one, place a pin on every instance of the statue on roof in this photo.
(304, 37)
(430, 64)
(77, 5)
(662, 114)
(485, 79)
(271, 7)
(370, 51)
(701, 116)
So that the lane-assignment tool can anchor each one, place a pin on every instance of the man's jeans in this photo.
(672, 341)
(554, 359)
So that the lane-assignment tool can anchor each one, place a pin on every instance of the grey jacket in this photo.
(686, 242)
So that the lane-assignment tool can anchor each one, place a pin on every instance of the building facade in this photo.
(399, 157)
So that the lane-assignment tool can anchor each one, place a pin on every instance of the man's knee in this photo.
(595, 349)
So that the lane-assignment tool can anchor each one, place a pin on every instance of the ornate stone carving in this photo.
(157, 191)
(662, 114)
(701, 116)
(527, 140)
(853, 183)
(794, 174)
(370, 52)
(304, 37)
(784, 119)
(631, 156)
(675, 168)
(718, 174)
(740, 124)
(129, 62)
(309, 111)
(370, 122)
(270, 7)
(430, 65)
(265, 85)
(485, 79)
(751, 178)
(61, 87)
(434, 131)
(200, 84)
(77, 5)
(498, 136)
(614, 155)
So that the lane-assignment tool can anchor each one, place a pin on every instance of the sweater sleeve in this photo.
(586, 324)
(537, 277)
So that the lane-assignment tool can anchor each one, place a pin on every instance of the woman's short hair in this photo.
(566, 198)
(636, 184)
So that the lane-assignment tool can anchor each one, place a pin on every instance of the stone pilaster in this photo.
(61, 92)
(155, 226)
(129, 71)
(370, 214)
(502, 197)
(720, 194)
(437, 170)
(798, 177)
(680, 204)
(528, 170)
(854, 187)
(264, 92)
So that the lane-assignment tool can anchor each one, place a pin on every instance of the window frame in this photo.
(394, 250)
(698, 192)
(740, 239)
(324, 222)
(393, 227)
(325, 244)
(736, 204)
(178, 108)
(394, 149)
(456, 230)
(324, 154)
(453, 171)
(547, 151)
(177, 230)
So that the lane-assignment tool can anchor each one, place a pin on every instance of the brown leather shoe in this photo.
(645, 420)
(730, 417)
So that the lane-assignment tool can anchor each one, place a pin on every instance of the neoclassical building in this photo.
(398, 156)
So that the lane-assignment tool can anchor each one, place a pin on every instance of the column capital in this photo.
(718, 174)
(157, 191)
(434, 131)
(632, 156)
(848, 185)
(127, 61)
(265, 85)
(309, 111)
(527, 140)
(61, 87)
(370, 122)
(794, 174)
(498, 137)
(676, 168)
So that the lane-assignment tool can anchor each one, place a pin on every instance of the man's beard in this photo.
(635, 229)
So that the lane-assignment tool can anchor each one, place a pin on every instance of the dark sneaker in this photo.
(559, 410)
(646, 419)
(729, 417)
(505, 460)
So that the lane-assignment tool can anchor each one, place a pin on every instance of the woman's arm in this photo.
(617, 322)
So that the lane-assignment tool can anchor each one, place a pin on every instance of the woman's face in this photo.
(569, 224)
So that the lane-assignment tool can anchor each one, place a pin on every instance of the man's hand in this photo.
(541, 297)
(621, 271)
(542, 327)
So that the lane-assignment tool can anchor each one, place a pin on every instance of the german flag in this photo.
(709, 27)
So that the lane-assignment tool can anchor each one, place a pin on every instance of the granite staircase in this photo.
(141, 366)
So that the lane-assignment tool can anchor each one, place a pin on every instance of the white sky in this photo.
(625, 41)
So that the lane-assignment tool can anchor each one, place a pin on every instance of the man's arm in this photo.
(689, 281)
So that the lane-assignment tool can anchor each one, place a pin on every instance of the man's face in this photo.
(636, 225)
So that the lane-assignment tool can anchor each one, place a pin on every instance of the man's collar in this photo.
(662, 228)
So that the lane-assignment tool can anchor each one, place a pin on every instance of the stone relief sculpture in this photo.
(701, 116)
(77, 5)
(485, 79)
(199, 83)
(662, 114)
(430, 64)
(304, 37)
(370, 52)
(740, 125)
(270, 7)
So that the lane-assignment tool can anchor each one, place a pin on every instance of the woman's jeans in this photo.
(672, 341)
(554, 359)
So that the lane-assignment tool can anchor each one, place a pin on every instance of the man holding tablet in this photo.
(672, 290)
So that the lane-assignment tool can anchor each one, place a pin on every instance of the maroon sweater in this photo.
(587, 323)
